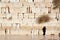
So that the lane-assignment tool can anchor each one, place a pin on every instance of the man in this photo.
(5, 31)
(44, 30)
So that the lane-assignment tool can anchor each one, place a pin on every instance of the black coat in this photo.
(44, 29)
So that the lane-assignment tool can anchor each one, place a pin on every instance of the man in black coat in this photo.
(44, 30)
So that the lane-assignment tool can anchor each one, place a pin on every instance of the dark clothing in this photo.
(5, 31)
(44, 30)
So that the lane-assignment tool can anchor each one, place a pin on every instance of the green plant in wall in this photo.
(56, 4)
(43, 19)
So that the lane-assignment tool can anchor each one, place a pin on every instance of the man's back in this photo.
(44, 30)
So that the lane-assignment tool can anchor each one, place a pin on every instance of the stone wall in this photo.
(23, 14)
